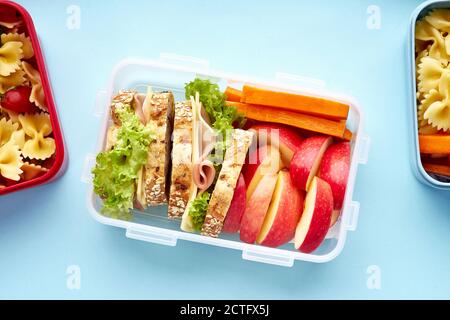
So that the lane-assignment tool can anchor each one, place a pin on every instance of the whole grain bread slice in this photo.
(158, 110)
(226, 183)
(181, 176)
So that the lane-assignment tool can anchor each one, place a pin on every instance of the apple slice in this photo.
(316, 217)
(283, 214)
(261, 161)
(256, 208)
(334, 169)
(233, 219)
(306, 161)
(286, 139)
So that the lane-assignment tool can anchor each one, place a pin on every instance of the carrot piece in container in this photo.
(437, 169)
(295, 119)
(348, 135)
(434, 143)
(233, 94)
(306, 104)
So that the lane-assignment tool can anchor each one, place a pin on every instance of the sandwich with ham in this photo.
(131, 171)
(187, 155)
(218, 157)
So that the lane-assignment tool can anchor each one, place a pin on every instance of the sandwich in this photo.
(218, 158)
(187, 155)
(131, 171)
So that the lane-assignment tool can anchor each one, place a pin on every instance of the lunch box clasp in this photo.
(152, 237)
(298, 80)
(364, 149)
(262, 257)
(352, 217)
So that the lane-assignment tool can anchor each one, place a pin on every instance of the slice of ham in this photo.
(204, 172)
(138, 104)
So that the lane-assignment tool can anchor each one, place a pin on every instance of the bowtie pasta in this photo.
(37, 93)
(38, 144)
(11, 54)
(432, 47)
(27, 146)
(433, 70)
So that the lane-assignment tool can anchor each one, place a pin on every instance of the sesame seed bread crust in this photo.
(122, 100)
(181, 177)
(157, 167)
(226, 183)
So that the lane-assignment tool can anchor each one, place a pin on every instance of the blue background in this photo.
(404, 226)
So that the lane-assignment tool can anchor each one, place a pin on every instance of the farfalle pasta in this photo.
(37, 93)
(10, 57)
(27, 47)
(19, 138)
(432, 41)
(37, 129)
(437, 113)
(433, 70)
(32, 171)
(439, 19)
(13, 80)
(7, 129)
(430, 72)
(27, 141)
(10, 162)
(426, 35)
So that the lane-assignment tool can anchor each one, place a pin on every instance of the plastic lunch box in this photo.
(60, 162)
(153, 225)
(418, 169)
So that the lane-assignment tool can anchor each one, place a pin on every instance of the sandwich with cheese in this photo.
(187, 155)
(132, 170)
(218, 157)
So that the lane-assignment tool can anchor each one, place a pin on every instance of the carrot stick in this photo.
(434, 143)
(437, 169)
(348, 135)
(306, 104)
(233, 94)
(298, 120)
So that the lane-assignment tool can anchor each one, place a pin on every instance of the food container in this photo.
(153, 225)
(416, 161)
(59, 163)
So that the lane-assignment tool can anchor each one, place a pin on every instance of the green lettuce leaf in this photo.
(197, 210)
(116, 171)
(222, 117)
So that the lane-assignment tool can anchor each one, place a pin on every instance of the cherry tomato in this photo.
(18, 100)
